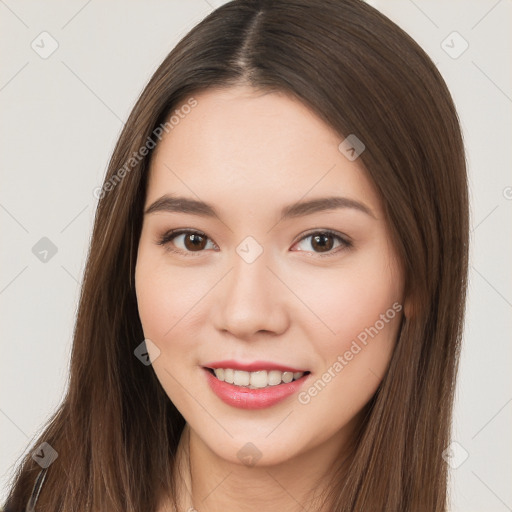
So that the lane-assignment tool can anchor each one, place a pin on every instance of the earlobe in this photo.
(408, 308)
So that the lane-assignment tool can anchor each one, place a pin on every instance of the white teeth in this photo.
(274, 377)
(287, 377)
(256, 380)
(259, 379)
(229, 375)
(241, 378)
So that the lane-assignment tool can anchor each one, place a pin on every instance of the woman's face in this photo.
(254, 282)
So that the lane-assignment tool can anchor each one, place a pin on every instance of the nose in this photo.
(251, 301)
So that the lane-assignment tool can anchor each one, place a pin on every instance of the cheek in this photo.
(163, 296)
(362, 308)
(157, 301)
(166, 302)
(359, 302)
(171, 302)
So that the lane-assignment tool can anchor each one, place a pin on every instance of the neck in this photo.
(209, 483)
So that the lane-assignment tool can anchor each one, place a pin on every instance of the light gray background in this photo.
(61, 117)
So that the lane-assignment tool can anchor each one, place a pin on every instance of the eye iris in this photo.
(198, 241)
(319, 241)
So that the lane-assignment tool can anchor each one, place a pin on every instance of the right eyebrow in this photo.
(180, 204)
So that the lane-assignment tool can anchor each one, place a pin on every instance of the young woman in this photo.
(272, 307)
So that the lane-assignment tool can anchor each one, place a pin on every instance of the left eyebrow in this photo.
(181, 204)
(324, 204)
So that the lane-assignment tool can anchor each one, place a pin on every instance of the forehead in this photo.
(246, 145)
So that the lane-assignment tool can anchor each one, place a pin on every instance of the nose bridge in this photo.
(250, 273)
(251, 299)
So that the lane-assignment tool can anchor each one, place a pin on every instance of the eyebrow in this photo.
(179, 204)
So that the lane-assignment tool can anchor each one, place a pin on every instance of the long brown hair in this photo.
(116, 431)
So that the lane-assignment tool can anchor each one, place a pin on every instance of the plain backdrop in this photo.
(60, 117)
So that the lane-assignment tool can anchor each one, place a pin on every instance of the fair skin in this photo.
(249, 155)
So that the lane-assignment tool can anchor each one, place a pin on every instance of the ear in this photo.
(410, 305)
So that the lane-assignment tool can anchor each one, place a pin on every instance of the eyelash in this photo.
(170, 235)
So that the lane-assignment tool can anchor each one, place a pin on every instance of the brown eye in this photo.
(194, 242)
(185, 241)
(323, 243)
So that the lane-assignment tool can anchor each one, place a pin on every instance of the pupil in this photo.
(195, 240)
(322, 245)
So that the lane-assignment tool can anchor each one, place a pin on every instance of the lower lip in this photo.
(246, 398)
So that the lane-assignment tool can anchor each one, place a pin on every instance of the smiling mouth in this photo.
(255, 380)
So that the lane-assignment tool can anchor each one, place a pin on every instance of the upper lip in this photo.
(252, 367)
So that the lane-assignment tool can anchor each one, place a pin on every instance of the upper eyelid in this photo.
(173, 233)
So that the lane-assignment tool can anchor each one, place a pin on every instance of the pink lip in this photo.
(246, 398)
(251, 367)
